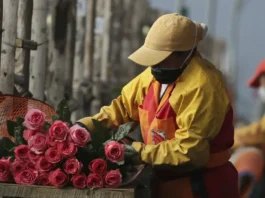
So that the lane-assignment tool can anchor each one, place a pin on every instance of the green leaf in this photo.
(7, 143)
(47, 126)
(88, 148)
(20, 120)
(123, 131)
(111, 165)
(18, 132)
(100, 135)
(64, 112)
(7, 147)
(55, 117)
(11, 127)
(121, 163)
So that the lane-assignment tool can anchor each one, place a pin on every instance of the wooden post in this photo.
(1, 22)
(106, 40)
(38, 58)
(89, 42)
(9, 36)
(136, 37)
(117, 44)
(70, 47)
(79, 64)
(58, 39)
(23, 32)
(89, 51)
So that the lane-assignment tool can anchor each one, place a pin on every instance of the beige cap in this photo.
(169, 33)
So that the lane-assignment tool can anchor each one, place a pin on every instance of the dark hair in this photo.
(181, 53)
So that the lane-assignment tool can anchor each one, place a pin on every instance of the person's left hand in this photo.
(138, 146)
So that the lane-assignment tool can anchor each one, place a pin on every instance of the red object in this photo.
(254, 81)
(94, 181)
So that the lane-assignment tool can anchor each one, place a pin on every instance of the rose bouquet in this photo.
(59, 153)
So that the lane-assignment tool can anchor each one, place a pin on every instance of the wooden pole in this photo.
(135, 36)
(106, 40)
(70, 47)
(56, 90)
(89, 53)
(23, 32)
(117, 44)
(9, 36)
(1, 22)
(79, 63)
(38, 58)
(89, 42)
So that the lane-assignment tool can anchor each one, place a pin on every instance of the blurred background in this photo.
(78, 49)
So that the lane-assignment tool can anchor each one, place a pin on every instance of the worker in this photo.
(254, 134)
(249, 146)
(184, 112)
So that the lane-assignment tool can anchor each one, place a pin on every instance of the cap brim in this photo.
(148, 57)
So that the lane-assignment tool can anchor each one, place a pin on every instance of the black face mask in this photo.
(167, 76)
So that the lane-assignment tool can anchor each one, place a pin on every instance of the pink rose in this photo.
(72, 166)
(59, 131)
(34, 120)
(58, 178)
(68, 149)
(53, 156)
(27, 177)
(33, 157)
(27, 134)
(98, 166)
(5, 174)
(43, 165)
(79, 181)
(94, 181)
(50, 141)
(43, 179)
(30, 166)
(113, 178)
(17, 166)
(21, 152)
(114, 151)
(79, 135)
(37, 143)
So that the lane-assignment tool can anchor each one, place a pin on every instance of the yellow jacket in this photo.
(253, 134)
(200, 102)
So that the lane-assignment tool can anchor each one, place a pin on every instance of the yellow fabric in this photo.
(138, 146)
(170, 32)
(125, 107)
(147, 57)
(200, 102)
(253, 134)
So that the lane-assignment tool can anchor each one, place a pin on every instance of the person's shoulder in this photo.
(201, 77)
(206, 74)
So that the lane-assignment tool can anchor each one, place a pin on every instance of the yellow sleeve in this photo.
(200, 115)
(253, 134)
(124, 108)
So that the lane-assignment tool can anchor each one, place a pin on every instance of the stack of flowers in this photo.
(61, 154)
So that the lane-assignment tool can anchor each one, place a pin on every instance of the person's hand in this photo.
(138, 147)
(82, 125)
